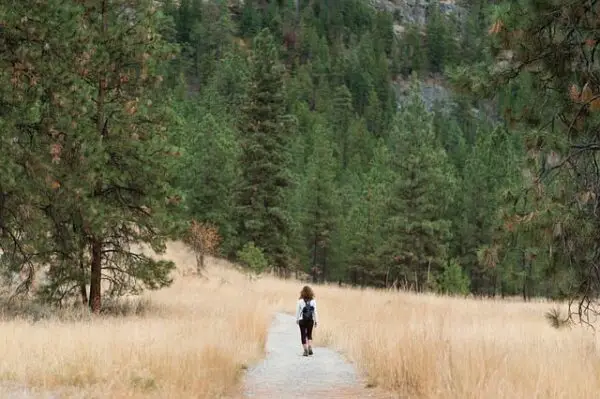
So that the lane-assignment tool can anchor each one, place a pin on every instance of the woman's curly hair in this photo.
(307, 293)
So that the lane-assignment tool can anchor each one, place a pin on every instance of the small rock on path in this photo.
(285, 373)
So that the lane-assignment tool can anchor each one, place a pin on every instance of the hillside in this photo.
(347, 73)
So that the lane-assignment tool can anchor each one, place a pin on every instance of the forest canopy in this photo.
(445, 149)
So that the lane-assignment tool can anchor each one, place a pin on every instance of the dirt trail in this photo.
(285, 373)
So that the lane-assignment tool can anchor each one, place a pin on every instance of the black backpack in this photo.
(308, 311)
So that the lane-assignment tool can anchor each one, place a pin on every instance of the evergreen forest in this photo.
(439, 146)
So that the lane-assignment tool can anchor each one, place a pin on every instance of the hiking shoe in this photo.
(305, 352)
(310, 352)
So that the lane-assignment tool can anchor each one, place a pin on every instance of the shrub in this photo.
(253, 257)
(453, 280)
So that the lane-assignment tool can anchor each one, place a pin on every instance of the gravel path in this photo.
(285, 373)
(13, 391)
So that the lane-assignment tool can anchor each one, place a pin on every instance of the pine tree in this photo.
(102, 146)
(413, 55)
(440, 40)
(251, 20)
(25, 155)
(384, 33)
(295, 197)
(225, 92)
(320, 203)
(265, 174)
(490, 167)
(361, 145)
(341, 114)
(453, 280)
(562, 139)
(417, 232)
(448, 132)
(208, 172)
(373, 114)
(473, 37)
(210, 37)
(365, 219)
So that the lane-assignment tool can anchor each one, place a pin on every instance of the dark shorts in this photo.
(306, 327)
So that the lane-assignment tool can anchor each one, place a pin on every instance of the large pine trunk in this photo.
(82, 285)
(96, 277)
(101, 125)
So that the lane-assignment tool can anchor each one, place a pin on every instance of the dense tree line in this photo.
(333, 176)
(300, 130)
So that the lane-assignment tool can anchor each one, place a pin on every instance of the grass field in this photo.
(195, 338)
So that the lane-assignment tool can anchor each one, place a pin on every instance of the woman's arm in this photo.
(316, 314)
(298, 310)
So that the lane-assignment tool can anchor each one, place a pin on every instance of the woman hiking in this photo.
(306, 317)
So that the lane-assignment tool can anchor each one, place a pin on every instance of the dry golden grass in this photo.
(427, 346)
(198, 335)
(193, 342)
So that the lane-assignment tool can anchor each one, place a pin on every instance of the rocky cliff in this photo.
(413, 11)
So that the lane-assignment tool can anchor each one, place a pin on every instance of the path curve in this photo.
(285, 373)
